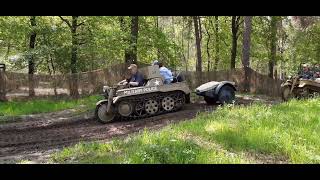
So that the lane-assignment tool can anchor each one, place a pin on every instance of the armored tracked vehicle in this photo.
(297, 87)
(124, 102)
(304, 85)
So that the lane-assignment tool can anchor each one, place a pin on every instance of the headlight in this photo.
(105, 88)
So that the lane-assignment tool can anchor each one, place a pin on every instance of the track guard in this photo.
(223, 83)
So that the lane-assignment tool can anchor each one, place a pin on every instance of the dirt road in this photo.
(35, 137)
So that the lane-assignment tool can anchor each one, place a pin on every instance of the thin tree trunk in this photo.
(217, 48)
(182, 46)
(54, 77)
(200, 28)
(158, 27)
(273, 46)
(8, 50)
(31, 64)
(131, 54)
(208, 48)
(246, 51)
(74, 92)
(318, 52)
(126, 40)
(3, 80)
(189, 38)
(198, 44)
(234, 29)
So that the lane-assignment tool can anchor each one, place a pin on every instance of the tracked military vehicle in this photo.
(304, 85)
(123, 102)
(297, 87)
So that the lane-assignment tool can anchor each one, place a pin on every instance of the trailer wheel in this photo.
(226, 95)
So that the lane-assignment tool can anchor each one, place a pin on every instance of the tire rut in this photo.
(20, 138)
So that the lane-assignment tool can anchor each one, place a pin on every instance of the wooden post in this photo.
(3, 82)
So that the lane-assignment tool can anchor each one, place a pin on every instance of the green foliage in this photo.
(103, 41)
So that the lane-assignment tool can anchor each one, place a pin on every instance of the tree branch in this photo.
(80, 24)
(66, 21)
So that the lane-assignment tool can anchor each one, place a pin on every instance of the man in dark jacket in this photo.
(306, 73)
(136, 78)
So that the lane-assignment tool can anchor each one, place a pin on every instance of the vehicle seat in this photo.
(178, 78)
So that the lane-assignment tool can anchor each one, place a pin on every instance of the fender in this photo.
(286, 84)
(102, 101)
(224, 83)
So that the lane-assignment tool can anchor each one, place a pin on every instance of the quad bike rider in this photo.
(133, 98)
(305, 85)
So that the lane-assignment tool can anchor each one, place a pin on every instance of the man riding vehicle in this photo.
(306, 73)
(165, 72)
(136, 79)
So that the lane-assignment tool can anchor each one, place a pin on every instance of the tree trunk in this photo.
(183, 48)
(2, 85)
(189, 38)
(246, 51)
(74, 55)
(124, 29)
(54, 77)
(31, 64)
(208, 43)
(131, 53)
(318, 52)
(217, 48)
(273, 46)
(8, 50)
(198, 44)
(234, 30)
(158, 27)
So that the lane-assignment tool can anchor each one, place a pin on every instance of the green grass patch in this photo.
(288, 131)
(148, 148)
(15, 108)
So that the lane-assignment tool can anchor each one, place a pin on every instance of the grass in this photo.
(288, 131)
(16, 108)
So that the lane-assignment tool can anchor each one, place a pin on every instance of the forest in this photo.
(62, 44)
(245, 99)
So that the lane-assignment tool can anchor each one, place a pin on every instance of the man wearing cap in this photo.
(136, 78)
(306, 73)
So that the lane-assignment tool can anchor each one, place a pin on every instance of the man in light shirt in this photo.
(166, 73)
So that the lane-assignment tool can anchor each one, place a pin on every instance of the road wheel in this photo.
(102, 115)
(168, 103)
(226, 95)
(151, 106)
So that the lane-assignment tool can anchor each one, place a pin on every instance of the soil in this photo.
(35, 137)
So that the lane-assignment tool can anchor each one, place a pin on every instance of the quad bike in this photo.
(296, 87)
(124, 102)
(214, 92)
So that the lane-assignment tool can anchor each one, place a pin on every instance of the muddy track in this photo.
(50, 131)
(44, 134)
